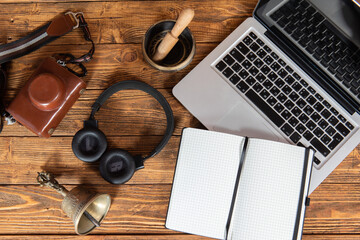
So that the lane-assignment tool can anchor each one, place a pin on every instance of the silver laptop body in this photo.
(221, 105)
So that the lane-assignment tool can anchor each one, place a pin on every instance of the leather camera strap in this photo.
(59, 26)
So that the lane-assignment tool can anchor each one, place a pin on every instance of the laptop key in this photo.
(237, 55)
(254, 47)
(229, 60)
(318, 132)
(318, 107)
(267, 84)
(271, 100)
(323, 124)
(320, 147)
(295, 137)
(275, 66)
(308, 110)
(293, 121)
(336, 140)
(258, 63)
(301, 103)
(236, 67)
(260, 77)
(253, 35)
(253, 71)
(286, 114)
(247, 40)
(257, 87)
(260, 42)
(325, 113)
(251, 56)
(282, 97)
(349, 125)
(280, 83)
(308, 135)
(316, 161)
(333, 120)
(286, 89)
(243, 49)
(303, 118)
(246, 64)
(287, 129)
(330, 130)
(261, 53)
(278, 107)
(300, 128)
(264, 107)
(220, 66)
(311, 125)
(264, 94)
(265, 69)
(250, 80)
(275, 91)
(234, 79)
(242, 86)
(315, 116)
(243, 74)
(228, 72)
(289, 104)
(342, 129)
(325, 139)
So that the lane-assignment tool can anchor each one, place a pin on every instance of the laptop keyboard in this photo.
(295, 107)
(312, 31)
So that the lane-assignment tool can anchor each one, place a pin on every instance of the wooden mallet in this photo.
(171, 38)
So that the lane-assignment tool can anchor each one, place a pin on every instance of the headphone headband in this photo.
(137, 85)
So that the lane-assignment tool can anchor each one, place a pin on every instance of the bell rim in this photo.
(86, 206)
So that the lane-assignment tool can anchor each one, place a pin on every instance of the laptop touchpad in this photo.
(243, 120)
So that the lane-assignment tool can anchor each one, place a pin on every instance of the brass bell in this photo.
(85, 208)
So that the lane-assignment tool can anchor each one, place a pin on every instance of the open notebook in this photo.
(231, 187)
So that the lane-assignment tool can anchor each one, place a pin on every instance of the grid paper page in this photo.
(204, 182)
(269, 190)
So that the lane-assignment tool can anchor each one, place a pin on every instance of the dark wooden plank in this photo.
(158, 237)
(108, 237)
(128, 112)
(141, 209)
(23, 157)
(126, 21)
(111, 63)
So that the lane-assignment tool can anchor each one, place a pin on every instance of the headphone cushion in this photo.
(89, 144)
(117, 166)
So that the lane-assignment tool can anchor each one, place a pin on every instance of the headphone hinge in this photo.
(91, 123)
(139, 162)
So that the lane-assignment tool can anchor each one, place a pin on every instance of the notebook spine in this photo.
(241, 163)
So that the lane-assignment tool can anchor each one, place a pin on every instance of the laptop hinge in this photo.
(335, 91)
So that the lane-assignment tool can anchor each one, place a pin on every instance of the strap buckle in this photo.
(75, 17)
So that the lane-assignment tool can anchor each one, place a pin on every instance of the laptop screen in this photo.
(343, 14)
(323, 37)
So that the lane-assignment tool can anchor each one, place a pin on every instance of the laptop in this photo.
(290, 73)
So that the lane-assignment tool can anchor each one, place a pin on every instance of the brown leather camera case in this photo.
(46, 97)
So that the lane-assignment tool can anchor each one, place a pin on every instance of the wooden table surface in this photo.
(131, 120)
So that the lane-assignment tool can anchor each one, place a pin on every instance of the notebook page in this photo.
(269, 191)
(204, 182)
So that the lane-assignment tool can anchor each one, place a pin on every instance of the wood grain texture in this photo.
(140, 209)
(126, 21)
(111, 63)
(131, 120)
(19, 165)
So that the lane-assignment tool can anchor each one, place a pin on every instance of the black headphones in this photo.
(117, 166)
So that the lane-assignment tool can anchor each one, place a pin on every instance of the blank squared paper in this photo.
(204, 182)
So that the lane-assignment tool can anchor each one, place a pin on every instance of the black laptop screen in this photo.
(323, 38)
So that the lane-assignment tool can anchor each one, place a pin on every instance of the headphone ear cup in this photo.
(117, 166)
(89, 144)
